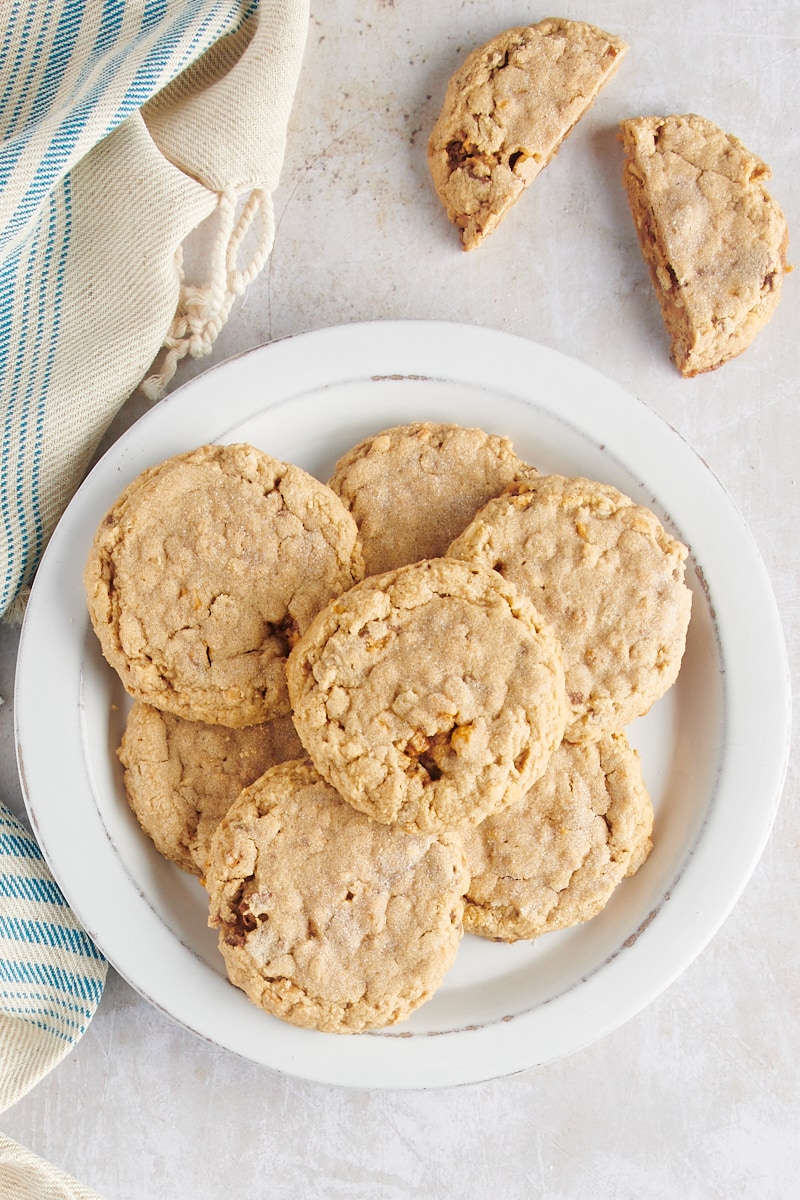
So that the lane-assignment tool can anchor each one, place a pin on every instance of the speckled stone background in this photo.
(699, 1095)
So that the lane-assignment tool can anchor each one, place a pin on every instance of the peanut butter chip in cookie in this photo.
(713, 238)
(326, 918)
(207, 570)
(607, 577)
(430, 696)
(555, 859)
(507, 110)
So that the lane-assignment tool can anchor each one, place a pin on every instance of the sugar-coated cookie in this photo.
(204, 573)
(608, 578)
(714, 239)
(181, 777)
(327, 918)
(413, 488)
(507, 110)
(555, 859)
(430, 696)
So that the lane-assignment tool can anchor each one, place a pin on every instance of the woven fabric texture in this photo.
(25, 1176)
(123, 126)
(51, 974)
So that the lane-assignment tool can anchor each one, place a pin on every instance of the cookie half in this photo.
(714, 239)
(430, 696)
(507, 110)
(413, 488)
(206, 570)
(555, 859)
(326, 918)
(608, 578)
(181, 777)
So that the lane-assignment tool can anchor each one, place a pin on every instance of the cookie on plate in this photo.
(413, 488)
(555, 859)
(608, 578)
(430, 696)
(204, 573)
(713, 238)
(326, 918)
(507, 110)
(181, 777)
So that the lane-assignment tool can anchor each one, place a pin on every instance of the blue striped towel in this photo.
(51, 974)
(124, 124)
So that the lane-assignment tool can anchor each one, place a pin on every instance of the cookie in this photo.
(206, 570)
(713, 238)
(555, 859)
(507, 110)
(326, 918)
(608, 578)
(430, 696)
(181, 777)
(413, 488)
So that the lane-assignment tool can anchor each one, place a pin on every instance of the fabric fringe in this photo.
(15, 611)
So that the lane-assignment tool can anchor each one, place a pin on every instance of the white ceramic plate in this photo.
(714, 749)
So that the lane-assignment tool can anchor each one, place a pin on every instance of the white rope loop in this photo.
(203, 309)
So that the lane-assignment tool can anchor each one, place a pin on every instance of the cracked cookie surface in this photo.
(555, 859)
(713, 238)
(181, 777)
(326, 918)
(204, 573)
(507, 110)
(430, 696)
(413, 488)
(608, 578)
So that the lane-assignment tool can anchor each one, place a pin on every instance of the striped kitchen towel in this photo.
(124, 124)
(51, 974)
(51, 981)
(24, 1176)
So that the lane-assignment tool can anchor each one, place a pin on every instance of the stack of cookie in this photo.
(375, 714)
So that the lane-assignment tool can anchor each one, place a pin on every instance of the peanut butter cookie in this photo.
(206, 570)
(555, 859)
(181, 777)
(714, 240)
(326, 918)
(507, 110)
(607, 577)
(413, 488)
(430, 696)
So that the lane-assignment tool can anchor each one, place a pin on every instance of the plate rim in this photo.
(391, 343)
